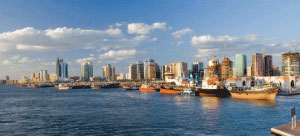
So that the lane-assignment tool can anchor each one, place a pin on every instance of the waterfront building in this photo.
(53, 77)
(268, 65)
(121, 77)
(86, 71)
(226, 68)
(240, 65)
(180, 70)
(149, 69)
(61, 69)
(109, 72)
(249, 71)
(197, 70)
(127, 76)
(44, 77)
(5, 78)
(275, 71)
(290, 64)
(133, 72)
(213, 69)
(257, 65)
(23, 80)
(157, 76)
(162, 72)
(233, 72)
(140, 70)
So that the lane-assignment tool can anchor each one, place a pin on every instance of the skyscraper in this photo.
(213, 69)
(291, 64)
(133, 71)
(61, 69)
(44, 76)
(109, 72)
(140, 70)
(149, 69)
(86, 71)
(240, 65)
(197, 70)
(257, 65)
(268, 65)
(180, 70)
(226, 68)
(162, 71)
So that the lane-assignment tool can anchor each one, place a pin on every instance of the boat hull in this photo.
(269, 94)
(213, 93)
(169, 91)
(148, 89)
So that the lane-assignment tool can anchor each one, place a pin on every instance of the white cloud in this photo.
(142, 28)
(82, 60)
(180, 33)
(118, 55)
(31, 47)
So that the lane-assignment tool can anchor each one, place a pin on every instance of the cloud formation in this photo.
(142, 28)
(118, 55)
(182, 32)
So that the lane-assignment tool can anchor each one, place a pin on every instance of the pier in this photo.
(286, 130)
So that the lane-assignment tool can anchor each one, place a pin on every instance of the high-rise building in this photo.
(290, 64)
(275, 71)
(180, 70)
(149, 69)
(109, 72)
(257, 65)
(249, 71)
(226, 68)
(86, 71)
(52, 77)
(157, 76)
(44, 77)
(133, 72)
(213, 69)
(268, 65)
(5, 78)
(162, 71)
(240, 65)
(197, 67)
(61, 69)
(140, 70)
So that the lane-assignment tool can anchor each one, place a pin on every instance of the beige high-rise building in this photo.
(226, 67)
(108, 72)
(214, 69)
(257, 65)
(53, 77)
(290, 64)
(152, 72)
(180, 69)
(249, 69)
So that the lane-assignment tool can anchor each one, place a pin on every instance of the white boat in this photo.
(64, 86)
(187, 91)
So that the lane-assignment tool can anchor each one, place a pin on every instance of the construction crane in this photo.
(213, 55)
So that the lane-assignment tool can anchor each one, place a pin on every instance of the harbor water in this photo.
(47, 111)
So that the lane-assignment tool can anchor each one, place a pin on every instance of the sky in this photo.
(33, 33)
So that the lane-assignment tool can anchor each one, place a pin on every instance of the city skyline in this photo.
(182, 32)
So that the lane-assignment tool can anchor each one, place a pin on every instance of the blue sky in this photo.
(33, 33)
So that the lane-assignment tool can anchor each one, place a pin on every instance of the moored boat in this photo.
(212, 88)
(96, 86)
(64, 86)
(266, 92)
(170, 91)
(148, 88)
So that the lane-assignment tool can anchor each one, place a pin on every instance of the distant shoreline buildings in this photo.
(149, 70)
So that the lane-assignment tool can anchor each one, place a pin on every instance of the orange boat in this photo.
(169, 91)
(148, 88)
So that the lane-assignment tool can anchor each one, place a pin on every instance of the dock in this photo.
(286, 130)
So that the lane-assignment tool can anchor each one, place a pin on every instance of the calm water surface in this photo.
(47, 111)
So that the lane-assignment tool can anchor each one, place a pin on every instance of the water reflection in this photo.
(263, 103)
(210, 103)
